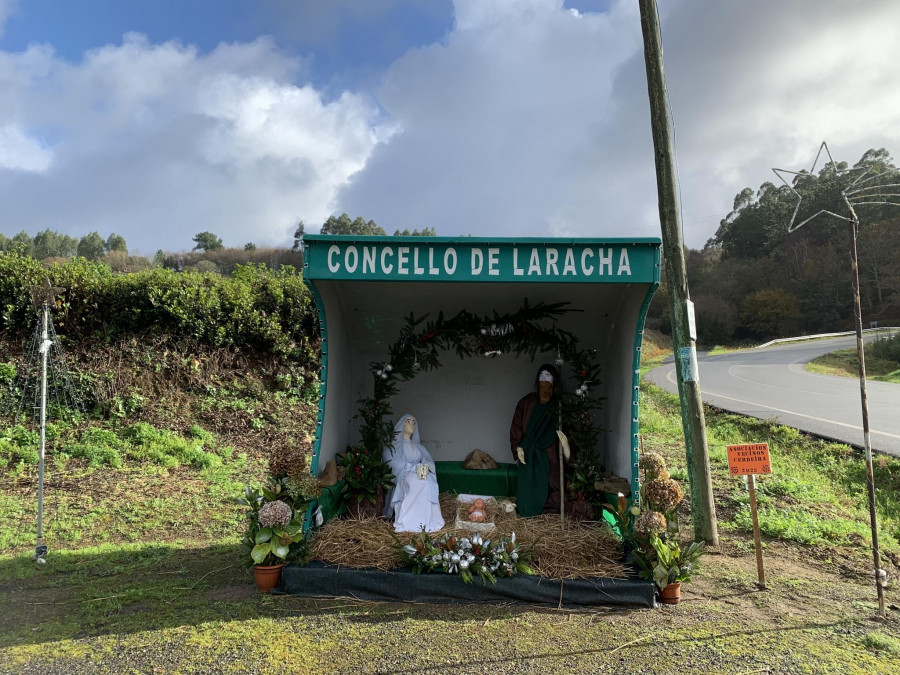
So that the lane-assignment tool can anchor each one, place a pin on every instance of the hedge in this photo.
(254, 309)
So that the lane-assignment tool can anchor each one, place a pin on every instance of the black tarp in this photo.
(319, 580)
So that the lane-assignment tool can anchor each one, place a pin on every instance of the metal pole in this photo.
(703, 508)
(40, 550)
(870, 475)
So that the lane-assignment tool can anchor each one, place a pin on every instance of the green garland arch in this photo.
(520, 333)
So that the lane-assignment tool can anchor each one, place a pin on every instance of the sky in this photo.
(159, 119)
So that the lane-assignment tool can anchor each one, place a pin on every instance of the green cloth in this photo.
(540, 434)
(499, 482)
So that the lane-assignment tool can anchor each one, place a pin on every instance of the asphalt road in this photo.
(772, 382)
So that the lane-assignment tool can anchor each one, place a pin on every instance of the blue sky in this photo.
(160, 119)
(348, 43)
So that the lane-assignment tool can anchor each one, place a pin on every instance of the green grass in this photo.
(845, 363)
(882, 361)
(111, 446)
(816, 493)
(179, 608)
(144, 571)
(136, 483)
(881, 642)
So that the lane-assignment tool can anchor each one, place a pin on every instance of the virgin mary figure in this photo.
(413, 502)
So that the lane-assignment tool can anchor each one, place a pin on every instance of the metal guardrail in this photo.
(886, 330)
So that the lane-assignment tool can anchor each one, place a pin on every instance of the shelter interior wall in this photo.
(340, 407)
(469, 403)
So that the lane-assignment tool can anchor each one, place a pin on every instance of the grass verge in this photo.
(882, 361)
(144, 575)
(845, 363)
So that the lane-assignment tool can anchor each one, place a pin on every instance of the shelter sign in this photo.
(475, 259)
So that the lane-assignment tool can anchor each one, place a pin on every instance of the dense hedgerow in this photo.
(254, 309)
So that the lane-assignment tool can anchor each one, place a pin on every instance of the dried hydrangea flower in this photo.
(663, 494)
(275, 514)
(305, 486)
(652, 464)
(650, 521)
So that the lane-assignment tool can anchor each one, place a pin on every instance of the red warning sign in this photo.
(749, 458)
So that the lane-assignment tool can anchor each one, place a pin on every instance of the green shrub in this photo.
(141, 433)
(887, 349)
(18, 444)
(96, 455)
(201, 434)
(7, 374)
(255, 308)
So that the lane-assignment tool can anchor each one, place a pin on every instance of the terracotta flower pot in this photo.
(267, 576)
(671, 594)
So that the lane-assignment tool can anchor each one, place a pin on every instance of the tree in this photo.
(343, 225)
(770, 313)
(206, 241)
(716, 319)
(50, 244)
(298, 235)
(426, 232)
(249, 246)
(757, 224)
(116, 242)
(91, 246)
(206, 266)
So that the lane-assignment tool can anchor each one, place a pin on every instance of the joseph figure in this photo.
(534, 439)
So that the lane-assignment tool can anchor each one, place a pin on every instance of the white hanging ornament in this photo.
(389, 367)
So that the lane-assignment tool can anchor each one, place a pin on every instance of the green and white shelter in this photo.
(365, 287)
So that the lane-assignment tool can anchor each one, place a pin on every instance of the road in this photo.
(772, 382)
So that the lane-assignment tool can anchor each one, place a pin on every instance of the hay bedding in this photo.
(581, 550)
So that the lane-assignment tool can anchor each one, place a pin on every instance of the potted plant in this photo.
(367, 482)
(668, 565)
(581, 493)
(274, 530)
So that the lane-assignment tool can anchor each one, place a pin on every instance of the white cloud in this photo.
(531, 119)
(159, 142)
(503, 124)
(525, 119)
(19, 152)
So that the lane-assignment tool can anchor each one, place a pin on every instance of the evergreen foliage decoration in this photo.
(522, 332)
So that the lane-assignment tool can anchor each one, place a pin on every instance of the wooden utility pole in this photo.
(703, 508)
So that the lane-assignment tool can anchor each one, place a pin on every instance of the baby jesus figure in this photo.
(476, 511)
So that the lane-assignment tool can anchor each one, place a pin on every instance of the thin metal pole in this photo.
(703, 508)
(40, 550)
(870, 474)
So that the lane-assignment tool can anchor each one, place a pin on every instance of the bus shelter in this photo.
(365, 288)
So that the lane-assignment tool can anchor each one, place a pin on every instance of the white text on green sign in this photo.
(483, 263)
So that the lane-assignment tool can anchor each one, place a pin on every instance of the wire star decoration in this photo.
(45, 294)
(867, 188)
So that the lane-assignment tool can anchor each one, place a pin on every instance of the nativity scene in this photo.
(551, 505)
